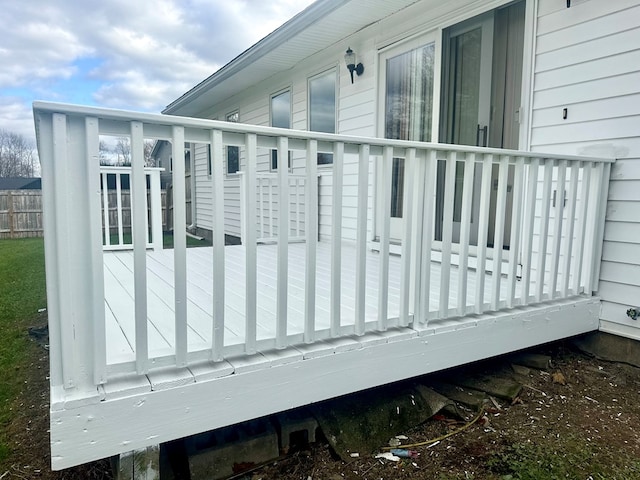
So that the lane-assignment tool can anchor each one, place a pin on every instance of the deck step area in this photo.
(380, 412)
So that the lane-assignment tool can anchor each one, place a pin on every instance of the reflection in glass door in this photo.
(468, 50)
(481, 90)
(408, 104)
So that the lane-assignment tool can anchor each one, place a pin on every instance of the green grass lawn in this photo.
(22, 293)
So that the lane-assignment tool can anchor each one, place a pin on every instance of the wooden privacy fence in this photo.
(20, 213)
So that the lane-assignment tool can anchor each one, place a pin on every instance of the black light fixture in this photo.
(350, 60)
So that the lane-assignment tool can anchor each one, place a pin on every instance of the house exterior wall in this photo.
(356, 105)
(585, 58)
(588, 61)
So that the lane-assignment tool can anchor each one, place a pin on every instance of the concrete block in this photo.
(610, 347)
(295, 428)
(143, 464)
(227, 451)
(532, 360)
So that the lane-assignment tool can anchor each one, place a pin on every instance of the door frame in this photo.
(398, 48)
(434, 27)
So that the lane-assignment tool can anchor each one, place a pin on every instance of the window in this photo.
(322, 108)
(280, 117)
(233, 152)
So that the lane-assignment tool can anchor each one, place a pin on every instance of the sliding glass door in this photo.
(407, 75)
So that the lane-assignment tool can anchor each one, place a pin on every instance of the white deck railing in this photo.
(117, 211)
(554, 250)
(267, 206)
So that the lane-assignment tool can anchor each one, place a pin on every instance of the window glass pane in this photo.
(322, 103)
(233, 152)
(280, 117)
(465, 78)
(322, 108)
(409, 95)
(281, 110)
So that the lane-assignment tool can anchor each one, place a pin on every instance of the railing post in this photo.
(105, 209)
(408, 236)
(336, 238)
(600, 218)
(428, 229)
(385, 228)
(516, 226)
(311, 234)
(92, 139)
(282, 273)
(498, 236)
(485, 195)
(465, 227)
(156, 209)
(180, 244)
(249, 242)
(243, 206)
(138, 188)
(447, 233)
(70, 256)
(217, 187)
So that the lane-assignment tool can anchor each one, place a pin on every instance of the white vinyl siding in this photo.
(588, 61)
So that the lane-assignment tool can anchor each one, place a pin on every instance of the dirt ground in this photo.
(582, 424)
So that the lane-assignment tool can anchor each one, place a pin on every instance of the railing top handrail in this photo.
(275, 174)
(242, 128)
(126, 169)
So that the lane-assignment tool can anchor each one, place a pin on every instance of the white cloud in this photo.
(134, 54)
(16, 116)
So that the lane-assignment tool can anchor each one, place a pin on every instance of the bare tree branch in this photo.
(17, 155)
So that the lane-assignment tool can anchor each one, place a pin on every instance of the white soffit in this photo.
(319, 26)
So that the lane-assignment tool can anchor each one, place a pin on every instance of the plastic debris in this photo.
(402, 437)
(388, 456)
(394, 442)
(403, 453)
(354, 455)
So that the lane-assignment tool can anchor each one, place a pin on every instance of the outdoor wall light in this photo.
(350, 60)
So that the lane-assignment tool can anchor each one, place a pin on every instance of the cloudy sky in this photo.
(130, 54)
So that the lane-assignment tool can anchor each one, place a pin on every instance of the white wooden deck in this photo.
(120, 297)
(134, 361)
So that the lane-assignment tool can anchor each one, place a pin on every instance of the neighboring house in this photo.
(162, 156)
(541, 76)
(20, 183)
(450, 193)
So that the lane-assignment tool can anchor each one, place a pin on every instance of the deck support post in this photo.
(143, 464)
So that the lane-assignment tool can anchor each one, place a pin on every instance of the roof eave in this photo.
(293, 27)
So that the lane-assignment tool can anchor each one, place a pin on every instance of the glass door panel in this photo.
(408, 100)
(467, 59)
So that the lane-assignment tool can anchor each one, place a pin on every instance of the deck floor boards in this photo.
(119, 295)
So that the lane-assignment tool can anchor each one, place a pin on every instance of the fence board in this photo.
(21, 213)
